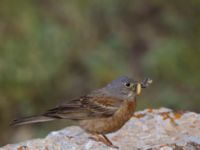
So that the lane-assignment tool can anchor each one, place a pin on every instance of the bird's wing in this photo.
(86, 107)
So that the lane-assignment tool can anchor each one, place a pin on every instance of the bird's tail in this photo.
(31, 119)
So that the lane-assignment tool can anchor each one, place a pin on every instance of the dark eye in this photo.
(127, 84)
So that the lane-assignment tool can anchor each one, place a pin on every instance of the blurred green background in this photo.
(52, 51)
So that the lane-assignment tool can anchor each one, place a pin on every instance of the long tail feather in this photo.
(31, 119)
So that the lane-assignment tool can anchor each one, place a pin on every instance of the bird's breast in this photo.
(125, 112)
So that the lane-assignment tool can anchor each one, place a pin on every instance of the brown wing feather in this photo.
(85, 107)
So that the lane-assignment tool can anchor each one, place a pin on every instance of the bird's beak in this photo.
(138, 88)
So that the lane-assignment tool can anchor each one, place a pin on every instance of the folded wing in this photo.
(86, 107)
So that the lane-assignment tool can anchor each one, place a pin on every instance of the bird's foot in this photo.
(102, 138)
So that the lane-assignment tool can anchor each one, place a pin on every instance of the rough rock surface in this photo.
(151, 129)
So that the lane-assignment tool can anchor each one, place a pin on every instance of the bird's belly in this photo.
(110, 124)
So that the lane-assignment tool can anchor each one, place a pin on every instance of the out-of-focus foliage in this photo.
(54, 50)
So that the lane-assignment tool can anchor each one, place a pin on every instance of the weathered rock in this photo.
(160, 129)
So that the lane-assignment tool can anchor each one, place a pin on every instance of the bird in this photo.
(99, 112)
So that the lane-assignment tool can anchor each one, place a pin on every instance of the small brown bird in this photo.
(102, 111)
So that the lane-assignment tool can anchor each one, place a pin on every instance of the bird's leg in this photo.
(102, 138)
(109, 143)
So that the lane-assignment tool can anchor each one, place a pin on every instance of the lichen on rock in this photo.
(151, 129)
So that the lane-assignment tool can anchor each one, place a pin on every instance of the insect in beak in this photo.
(139, 85)
(138, 88)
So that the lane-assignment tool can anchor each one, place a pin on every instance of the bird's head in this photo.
(126, 88)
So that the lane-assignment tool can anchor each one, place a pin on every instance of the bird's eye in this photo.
(127, 84)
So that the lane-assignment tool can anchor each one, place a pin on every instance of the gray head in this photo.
(122, 88)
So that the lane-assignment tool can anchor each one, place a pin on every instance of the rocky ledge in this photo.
(151, 129)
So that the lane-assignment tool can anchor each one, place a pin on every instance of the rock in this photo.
(151, 129)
